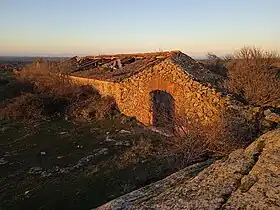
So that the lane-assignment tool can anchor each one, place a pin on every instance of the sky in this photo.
(92, 27)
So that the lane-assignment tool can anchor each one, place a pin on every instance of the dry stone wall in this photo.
(192, 99)
(104, 87)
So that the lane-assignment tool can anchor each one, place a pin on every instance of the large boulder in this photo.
(246, 179)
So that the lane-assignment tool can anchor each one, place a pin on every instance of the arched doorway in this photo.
(162, 107)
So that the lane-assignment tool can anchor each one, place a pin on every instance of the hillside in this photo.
(68, 142)
(66, 147)
(245, 179)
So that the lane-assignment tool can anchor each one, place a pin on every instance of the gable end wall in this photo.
(192, 99)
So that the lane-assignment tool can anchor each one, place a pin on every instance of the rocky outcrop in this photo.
(246, 179)
(265, 118)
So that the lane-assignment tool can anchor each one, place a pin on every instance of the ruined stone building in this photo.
(156, 88)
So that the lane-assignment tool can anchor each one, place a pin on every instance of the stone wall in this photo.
(192, 99)
(104, 87)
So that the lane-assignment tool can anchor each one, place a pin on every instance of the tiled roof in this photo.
(118, 67)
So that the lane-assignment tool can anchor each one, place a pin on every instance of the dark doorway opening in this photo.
(162, 105)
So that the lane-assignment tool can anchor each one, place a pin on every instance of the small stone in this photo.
(35, 170)
(3, 161)
(122, 143)
(247, 182)
(273, 117)
(266, 123)
(62, 133)
(60, 157)
(124, 132)
(256, 109)
(7, 154)
(108, 139)
(43, 153)
(5, 128)
(26, 192)
(103, 151)
(267, 112)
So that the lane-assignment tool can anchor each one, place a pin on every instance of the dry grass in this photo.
(193, 142)
(96, 107)
(54, 94)
(47, 77)
(229, 132)
(253, 77)
(215, 64)
(140, 150)
(26, 106)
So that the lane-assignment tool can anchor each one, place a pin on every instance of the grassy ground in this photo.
(61, 164)
(55, 163)
(58, 164)
(64, 146)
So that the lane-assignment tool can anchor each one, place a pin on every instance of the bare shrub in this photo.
(4, 81)
(252, 76)
(14, 89)
(57, 95)
(95, 107)
(27, 106)
(216, 64)
(220, 137)
(45, 78)
(194, 141)
(34, 106)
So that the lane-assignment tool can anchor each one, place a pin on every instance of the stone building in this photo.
(156, 88)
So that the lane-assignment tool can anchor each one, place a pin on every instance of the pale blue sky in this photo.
(69, 27)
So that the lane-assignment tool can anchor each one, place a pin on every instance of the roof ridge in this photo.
(166, 53)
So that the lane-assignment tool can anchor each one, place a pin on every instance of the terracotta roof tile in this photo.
(105, 67)
(115, 68)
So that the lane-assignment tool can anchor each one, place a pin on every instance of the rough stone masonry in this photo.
(190, 85)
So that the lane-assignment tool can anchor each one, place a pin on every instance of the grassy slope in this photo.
(66, 145)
